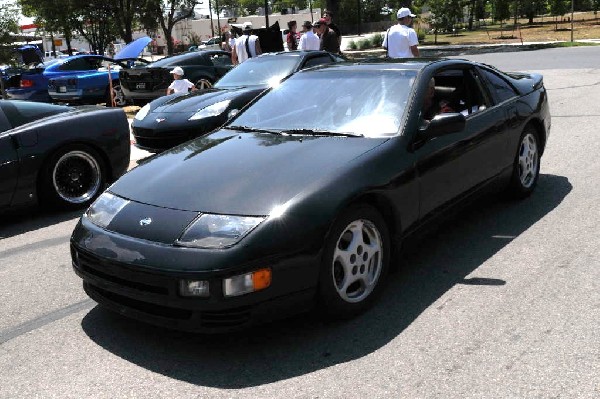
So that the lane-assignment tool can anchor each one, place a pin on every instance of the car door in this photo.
(222, 63)
(457, 163)
(9, 163)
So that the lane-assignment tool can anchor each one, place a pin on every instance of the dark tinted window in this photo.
(221, 59)
(181, 60)
(81, 64)
(320, 60)
(500, 88)
(19, 113)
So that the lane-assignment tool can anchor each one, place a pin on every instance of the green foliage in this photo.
(364, 44)
(8, 25)
(421, 33)
(376, 40)
(558, 7)
(352, 45)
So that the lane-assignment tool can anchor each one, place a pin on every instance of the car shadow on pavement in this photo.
(29, 219)
(304, 344)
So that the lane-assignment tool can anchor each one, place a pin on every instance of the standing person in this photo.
(328, 16)
(292, 36)
(246, 46)
(401, 40)
(308, 40)
(179, 84)
(226, 45)
(329, 39)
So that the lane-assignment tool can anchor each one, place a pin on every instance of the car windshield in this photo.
(264, 71)
(363, 103)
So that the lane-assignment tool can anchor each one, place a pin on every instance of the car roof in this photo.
(387, 64)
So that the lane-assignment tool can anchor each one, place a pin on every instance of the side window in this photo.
(499, 88)
(320, 60)
(221, 60)
(78, 64)
(454, 90)
(195, 60)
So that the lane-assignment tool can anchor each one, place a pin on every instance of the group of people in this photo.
(321, 35)
(400, 41)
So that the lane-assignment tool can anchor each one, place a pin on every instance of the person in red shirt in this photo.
(292, 36)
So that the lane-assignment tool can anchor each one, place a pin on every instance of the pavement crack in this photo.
(43, 320)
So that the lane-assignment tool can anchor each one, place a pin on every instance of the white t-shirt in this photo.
(398, 40)
(309, 41)
(181, 85)
(240, 47)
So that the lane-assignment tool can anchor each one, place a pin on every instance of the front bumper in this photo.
(151, 295)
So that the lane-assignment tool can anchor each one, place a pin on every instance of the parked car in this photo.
(87, 80)
(171, 120)
(301, 198)
(203, 68)
(57, 155)
(211, 44)
(31, 84)
(34, 83)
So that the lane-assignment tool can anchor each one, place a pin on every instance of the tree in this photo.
(556, 8)
(168, 14)
(94, 20)
(251, 6)
(52, 16)
(502, 12)
(8, 25)
(127, 14)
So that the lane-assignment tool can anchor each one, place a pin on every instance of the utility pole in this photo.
(218, 20)
(358, 6)
(266, 13)
(572, 7)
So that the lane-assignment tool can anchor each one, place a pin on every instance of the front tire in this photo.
(355, 262)
(526, 167)
(72, 178)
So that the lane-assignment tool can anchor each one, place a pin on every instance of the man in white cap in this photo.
(179, 85)
(401, 40)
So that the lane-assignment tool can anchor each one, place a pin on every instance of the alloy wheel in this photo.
(76, 177)
(528, 160)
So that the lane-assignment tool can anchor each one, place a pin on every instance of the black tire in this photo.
(72, 177)
(526, 166)
(336, 298)
(203, 83)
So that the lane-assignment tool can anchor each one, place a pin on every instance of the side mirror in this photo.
(443, 124)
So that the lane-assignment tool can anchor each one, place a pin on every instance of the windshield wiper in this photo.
(252, 129)
(313, 132)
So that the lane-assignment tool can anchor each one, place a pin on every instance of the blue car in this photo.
(89, 82)
(79, 78)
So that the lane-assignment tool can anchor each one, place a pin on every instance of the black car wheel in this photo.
(73, 177)
(355, 262)
(203, 84)
(526, 168)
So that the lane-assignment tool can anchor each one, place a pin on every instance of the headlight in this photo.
(105, 208)
(141, 114)
(212, 110)
(217, 231)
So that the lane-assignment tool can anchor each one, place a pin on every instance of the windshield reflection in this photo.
(341, 101)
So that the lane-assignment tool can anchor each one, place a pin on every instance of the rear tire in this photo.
(72, 177)
(203, 84)
(119, 96)
(355, 262)
(526, 166)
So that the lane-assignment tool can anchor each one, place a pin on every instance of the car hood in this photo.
(230, 172)
(133, 49)
(199, 99)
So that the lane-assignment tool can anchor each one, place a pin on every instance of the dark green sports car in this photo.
(300, 199)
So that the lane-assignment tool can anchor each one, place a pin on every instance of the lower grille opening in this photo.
(149, 308)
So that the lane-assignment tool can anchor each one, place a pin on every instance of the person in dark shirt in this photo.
(329, 40)
(328, 16)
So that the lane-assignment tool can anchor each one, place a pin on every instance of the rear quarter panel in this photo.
(106, 130)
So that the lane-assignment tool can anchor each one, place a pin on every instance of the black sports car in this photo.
(288, 206)
(171, 120)
(203, 68)
(60, 156)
